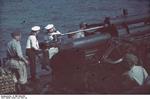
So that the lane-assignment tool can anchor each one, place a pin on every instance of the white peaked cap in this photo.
(35, 28)
(49, 26)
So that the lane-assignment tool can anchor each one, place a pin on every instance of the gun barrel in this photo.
(87, 41)
(131, 20)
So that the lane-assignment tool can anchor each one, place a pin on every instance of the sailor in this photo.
(50, 48)
(16, 60)
(52, 33)
(32, 50)
(80, 34)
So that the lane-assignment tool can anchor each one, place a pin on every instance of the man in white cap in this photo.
(52, 33)
(51, 37)
(32, 49)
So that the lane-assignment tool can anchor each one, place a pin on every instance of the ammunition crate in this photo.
(7, 84)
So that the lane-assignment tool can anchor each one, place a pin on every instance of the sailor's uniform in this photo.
(52, 36)
(32, 48)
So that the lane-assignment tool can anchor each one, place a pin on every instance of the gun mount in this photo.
(79, 66)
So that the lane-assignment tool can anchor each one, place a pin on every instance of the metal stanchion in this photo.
(4, 61)
(0, 62)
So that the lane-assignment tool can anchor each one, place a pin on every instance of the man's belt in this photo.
(14, 58)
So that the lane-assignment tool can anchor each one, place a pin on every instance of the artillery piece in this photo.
(81, 65)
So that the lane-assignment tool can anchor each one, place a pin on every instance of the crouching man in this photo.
(135, 76)
(16, 60)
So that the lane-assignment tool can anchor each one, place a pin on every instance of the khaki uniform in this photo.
(139, 74)
(16, 60)
(136, 73)
(20, 67)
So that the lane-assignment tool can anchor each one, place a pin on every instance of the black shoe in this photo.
(18, 88)
(35, 80)
(25, 89)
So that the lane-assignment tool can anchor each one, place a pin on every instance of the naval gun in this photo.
(131, 29)
(79, 66)
(115, 27)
